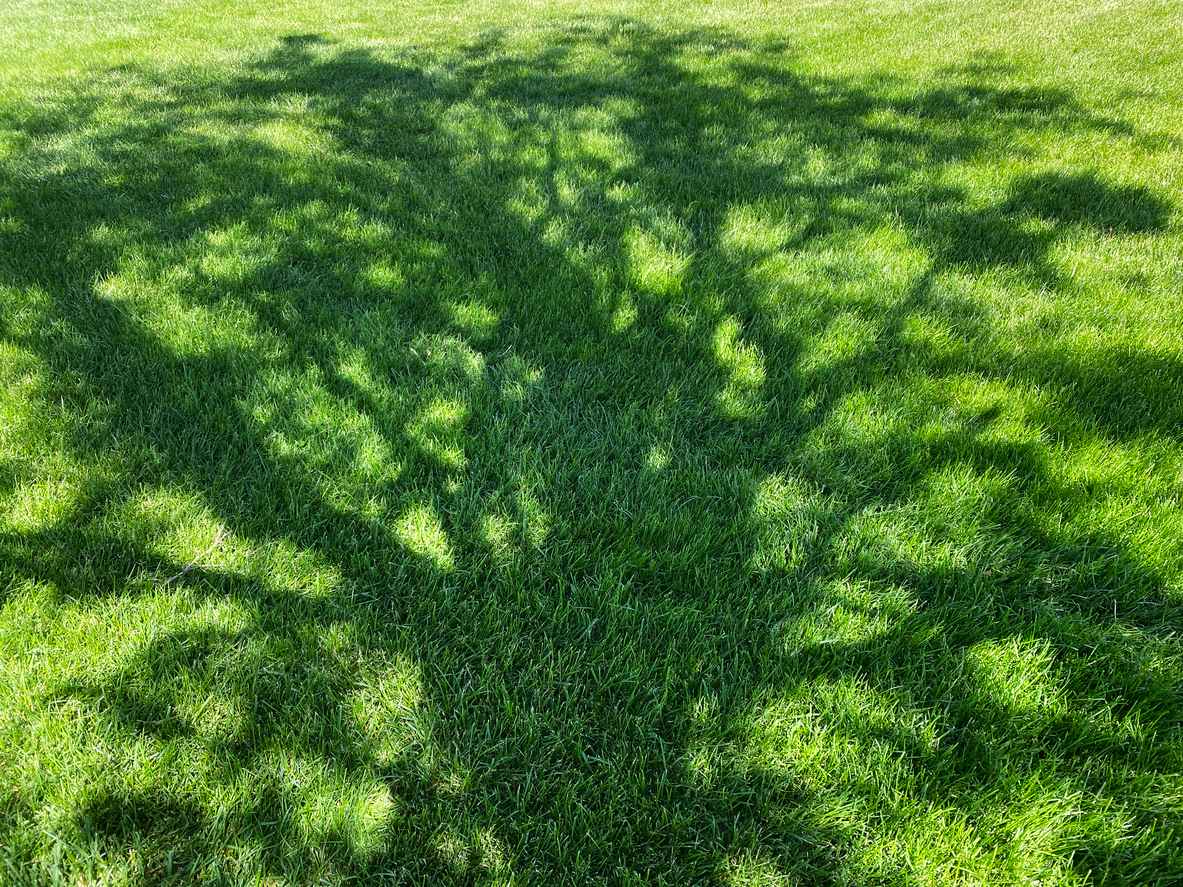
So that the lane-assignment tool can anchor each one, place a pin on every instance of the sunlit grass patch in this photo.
(654, 267)
(420, 530)
(437, 427)
(743, 366)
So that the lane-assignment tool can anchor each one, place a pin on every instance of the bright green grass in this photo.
(508, 442)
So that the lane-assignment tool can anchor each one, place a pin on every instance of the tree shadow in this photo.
(417, 317)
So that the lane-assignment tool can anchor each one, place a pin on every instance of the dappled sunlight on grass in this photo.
(609, 451)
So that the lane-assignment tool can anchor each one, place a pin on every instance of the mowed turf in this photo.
(516, 443)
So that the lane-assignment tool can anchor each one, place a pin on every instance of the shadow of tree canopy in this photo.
(637, 405)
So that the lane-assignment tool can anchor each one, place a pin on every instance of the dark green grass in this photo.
(619, 449)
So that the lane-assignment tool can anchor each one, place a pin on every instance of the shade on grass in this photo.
(677, 447)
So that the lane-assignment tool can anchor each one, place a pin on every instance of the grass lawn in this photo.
(508, 442)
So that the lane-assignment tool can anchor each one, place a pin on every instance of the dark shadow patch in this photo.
(1086, 200)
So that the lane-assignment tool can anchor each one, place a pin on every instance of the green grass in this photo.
(591, 442)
